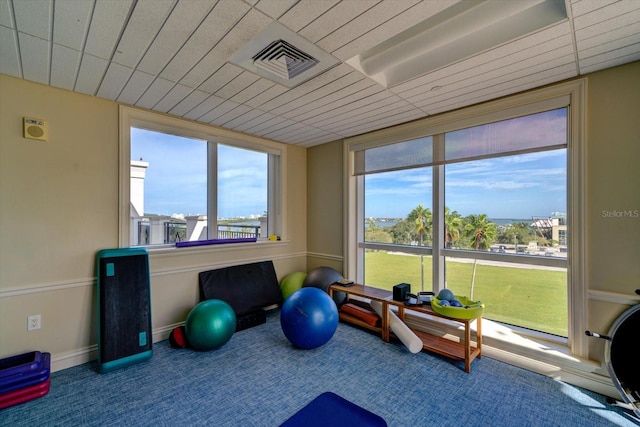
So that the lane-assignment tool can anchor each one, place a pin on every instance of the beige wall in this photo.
(613, 183)
(325, 206)
(59, 206)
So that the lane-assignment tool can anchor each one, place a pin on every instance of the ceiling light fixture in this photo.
(463, 30)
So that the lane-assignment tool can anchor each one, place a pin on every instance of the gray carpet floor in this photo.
(259, 379)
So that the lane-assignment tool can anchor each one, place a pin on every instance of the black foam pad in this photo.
(246, 288)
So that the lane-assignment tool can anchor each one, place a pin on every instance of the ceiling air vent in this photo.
(284, 60)
(282, 56)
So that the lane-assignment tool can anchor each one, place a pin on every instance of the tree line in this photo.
(468, 232)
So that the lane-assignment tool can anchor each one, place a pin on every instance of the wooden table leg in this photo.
(479, 336)
(467, 346)
(385, 321)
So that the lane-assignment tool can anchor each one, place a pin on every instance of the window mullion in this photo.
(438, 268)
(212, 190)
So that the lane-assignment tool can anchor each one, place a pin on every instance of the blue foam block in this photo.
(329, 409)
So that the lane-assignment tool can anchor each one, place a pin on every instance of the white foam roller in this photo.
(402, 331)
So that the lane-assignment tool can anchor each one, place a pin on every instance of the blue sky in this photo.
(517, 186)
(176, 179)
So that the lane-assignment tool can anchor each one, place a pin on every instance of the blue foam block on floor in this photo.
(329, 409)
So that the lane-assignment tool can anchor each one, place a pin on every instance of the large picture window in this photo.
(480, 205)
(189, 184)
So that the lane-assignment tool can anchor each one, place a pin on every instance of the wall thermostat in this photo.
(35, 129)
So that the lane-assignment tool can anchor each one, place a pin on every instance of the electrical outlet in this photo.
(34, 322)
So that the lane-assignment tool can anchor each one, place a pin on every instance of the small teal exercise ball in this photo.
(309, 318)
(210, 324)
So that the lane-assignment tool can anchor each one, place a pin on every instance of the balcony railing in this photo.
(232, 231)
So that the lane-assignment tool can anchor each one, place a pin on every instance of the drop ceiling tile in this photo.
(135, 87)
(518, 65)
(225, 118)
(241, 119)
(114, 81)
(347, 110)
(366, 115)
(581, 7)
(221, 109)
(180, 25)
(219, 78)
(107, 24)
(6, 14)
(154, 93)
(492, 90)
(358, 90)
(172, 98)
(312, 136)
(336, 17)
(513, 73)
(627, 25)
(34, 53)
(258, 122)
(352, 34)
(358, 94)
(253, 121)
(250, 25)
(382, 123)
(146, 20)
(621, 45)
(606, 16)
(90, 74)
(34, 18)
(72, 23)
(274, 122)
(274, 8)
(305, 12)
(204, 107)
(373, 118)
(9, 56)
(252, 90)
(610, 58)
(267, 95)
(293, 129)
(237, 85)
(318, 94)
(65, 63)
(328, 77)
(189, 102)
(218, 23)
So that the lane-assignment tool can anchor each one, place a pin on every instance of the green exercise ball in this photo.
(291, 283)
(210, 324)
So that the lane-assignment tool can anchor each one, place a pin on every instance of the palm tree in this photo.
(452, 226)
(482, 233)
(423, 220)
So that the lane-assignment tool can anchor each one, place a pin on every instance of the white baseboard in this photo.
(80, 356)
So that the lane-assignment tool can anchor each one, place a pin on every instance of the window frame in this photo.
(131, 117)
(573, 94)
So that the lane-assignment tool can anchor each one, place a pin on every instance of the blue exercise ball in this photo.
(210, 324)
(309, 318)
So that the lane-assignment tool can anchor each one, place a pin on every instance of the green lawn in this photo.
(527, 297)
